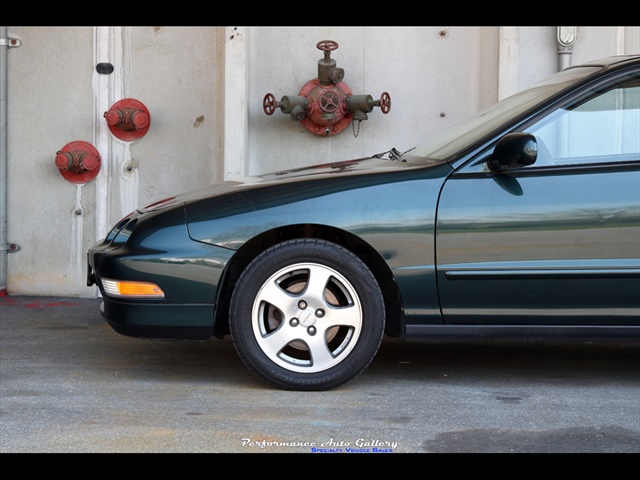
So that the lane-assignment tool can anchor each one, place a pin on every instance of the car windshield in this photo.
(454, 139)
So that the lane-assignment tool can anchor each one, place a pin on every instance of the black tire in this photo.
(301, 335)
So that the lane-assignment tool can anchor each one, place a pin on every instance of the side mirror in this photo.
(514, 150)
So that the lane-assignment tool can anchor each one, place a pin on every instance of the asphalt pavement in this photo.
(70, 384)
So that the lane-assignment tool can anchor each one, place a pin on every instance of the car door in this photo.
(557, 242)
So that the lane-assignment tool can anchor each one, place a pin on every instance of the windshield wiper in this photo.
(394, 154)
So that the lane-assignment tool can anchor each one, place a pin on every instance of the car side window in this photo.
(604, 126)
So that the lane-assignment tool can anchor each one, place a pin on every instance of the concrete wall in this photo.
(428, 92)
(204, 88)
(55, 96)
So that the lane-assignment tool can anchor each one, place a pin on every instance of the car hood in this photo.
(347, 195)
(361, 166)
(343, 167)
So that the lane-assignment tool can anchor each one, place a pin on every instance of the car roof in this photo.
(613, 60)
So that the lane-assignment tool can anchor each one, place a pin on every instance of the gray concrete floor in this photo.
(70, 384)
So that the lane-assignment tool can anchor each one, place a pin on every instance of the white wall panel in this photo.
(205, 105)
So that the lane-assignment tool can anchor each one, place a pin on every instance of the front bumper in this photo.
(144, 320)
(188, 274)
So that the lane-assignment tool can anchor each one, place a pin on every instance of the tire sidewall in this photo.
(307, 251)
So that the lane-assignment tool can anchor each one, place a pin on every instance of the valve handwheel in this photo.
(385, 102)
(327, 45)
(329, 102)
(269, 104)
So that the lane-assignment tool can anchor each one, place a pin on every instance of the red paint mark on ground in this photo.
(36, 303)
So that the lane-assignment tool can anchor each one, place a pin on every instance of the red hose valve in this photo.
(78, 162)
(128, 119)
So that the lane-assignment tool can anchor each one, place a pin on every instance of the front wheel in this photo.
(307, 315)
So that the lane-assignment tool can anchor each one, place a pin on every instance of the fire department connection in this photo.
(79, 162)
(326, 105)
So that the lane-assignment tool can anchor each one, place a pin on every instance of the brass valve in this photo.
(326, 105)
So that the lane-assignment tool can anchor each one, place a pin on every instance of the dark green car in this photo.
(525, 219)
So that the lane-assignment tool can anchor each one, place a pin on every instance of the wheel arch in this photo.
(394, 323)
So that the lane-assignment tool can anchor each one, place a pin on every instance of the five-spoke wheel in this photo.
(307, 315)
